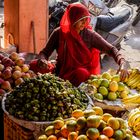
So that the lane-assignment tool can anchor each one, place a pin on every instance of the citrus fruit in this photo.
(102, 125)
(49, 130)
(118, 135)
(92, 133)
(42, 137)
(64, 131)
(89, 112)
(93, 121)
(121, 86)
(103, 137)
(105, 83)
(128, 137)
(103, 90)
(108, 131)
(123, 124)
(124, 93)
(71, 125)
(116, 78)
(98, 96)
(114, 123)
(113, 86)
(106, 116)
(52, 137)
(77, 113)
(112, 96)
(81, 123)
(106, 75)
(61, 138)
(98, 110)
(72, 136)
(82, 137)
(58, 124)
(96, 82)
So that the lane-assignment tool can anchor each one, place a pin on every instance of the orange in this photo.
(93, 133)
(42, 137)
(49, 130)
(52, 137)
(93, 121)
(81, 123)
(77, 113)
(82, 137)
(98, 110)
(103, 137)
(64, 131)
(58, 124)
(102, 125)
(72, 136)
(89, 112)
(111, 139)
(114, 123)
(106, 116)
(108, 131)
(61, 138)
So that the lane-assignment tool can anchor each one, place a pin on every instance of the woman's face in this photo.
(80, 25)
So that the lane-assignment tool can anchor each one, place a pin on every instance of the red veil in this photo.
(73, 52)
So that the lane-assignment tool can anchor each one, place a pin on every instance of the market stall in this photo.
(31, 103)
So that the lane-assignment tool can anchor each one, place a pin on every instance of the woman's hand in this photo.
(42, 63)
(124, 73)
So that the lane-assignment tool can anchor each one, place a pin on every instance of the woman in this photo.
(78, 47)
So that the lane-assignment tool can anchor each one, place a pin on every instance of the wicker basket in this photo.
(13, 131)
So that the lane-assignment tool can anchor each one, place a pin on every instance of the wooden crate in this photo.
(13, 131)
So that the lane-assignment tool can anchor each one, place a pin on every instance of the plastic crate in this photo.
(13, 131)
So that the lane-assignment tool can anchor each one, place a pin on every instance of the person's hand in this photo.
(42, 63)
(124, 73)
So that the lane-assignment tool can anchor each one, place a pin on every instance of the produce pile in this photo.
(134, 121)
(133, 81)
(105, 86)
(13, 70)
(44, 98)
(89, 124)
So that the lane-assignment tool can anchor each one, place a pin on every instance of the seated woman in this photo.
(78, 47)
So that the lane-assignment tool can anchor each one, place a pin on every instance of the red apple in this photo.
(1, 67)
(17, 68)
(25, 68)
(14, 56)
(6, 74)
(19, 81)
(16, 74)
(20, 61)
(6, 85)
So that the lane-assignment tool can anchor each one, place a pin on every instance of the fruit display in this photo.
(44, 98)
(133, 81)
(13, 71)
(90, 124)
(105, 87)
(134, 121)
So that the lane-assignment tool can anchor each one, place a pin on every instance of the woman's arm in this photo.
(100, 43)
(51, 45)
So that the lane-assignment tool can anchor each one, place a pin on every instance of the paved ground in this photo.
(130, 48)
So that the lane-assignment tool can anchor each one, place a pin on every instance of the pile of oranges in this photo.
(90, 124)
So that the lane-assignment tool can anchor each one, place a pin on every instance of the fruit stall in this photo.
(45, 107)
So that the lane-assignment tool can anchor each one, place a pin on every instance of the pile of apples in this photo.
(13, 70)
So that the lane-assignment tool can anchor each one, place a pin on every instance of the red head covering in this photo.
(74, 13)
(73, 52)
